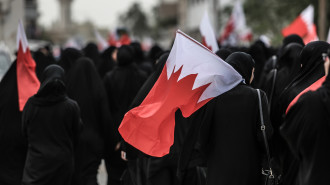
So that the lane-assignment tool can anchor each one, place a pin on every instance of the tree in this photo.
(135, 20)
(270, 16)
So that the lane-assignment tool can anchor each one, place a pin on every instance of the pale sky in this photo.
(103, 13)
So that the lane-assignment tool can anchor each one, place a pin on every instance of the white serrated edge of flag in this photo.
(207, 31)
(21, 36)
(308, 16)
(220, 75)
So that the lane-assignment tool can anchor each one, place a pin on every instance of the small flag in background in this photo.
(27, 81)
(102, 44)
(303, 26)
(191, 77)
(236, 29)
(208, 37)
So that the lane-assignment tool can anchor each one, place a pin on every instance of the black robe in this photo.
(311, 71)
(231, 134)
(51, 123)
(85, 86)
(307, 132)
(107, 62)
(91, 51)
(287, 67)
(121, 84)
(13, 146)
(293, 38)
(42, 61)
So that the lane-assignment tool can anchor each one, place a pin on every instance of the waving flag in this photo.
(102, 44)
(208, 36)
(303, 26)
(27, 81)
(191, 77)
(236, 29)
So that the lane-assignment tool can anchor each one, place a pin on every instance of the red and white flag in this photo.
(27, 81)
(191, 77)
(102, 44)
(208, 37)
(236, 29)
(303, 26)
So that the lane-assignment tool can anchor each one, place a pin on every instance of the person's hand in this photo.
(123, 156)
(117, 146)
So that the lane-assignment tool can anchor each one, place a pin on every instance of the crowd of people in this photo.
(71, 123)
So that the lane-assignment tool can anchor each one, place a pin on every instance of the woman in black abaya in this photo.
(85, 86)
(306, 130)
(312, 70)
(107, 62)
(51, 123)
(232, 137)
(12, 143)
(121, 84)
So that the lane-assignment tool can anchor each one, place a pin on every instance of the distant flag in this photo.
(303, 26)
(72, 43)
(191, 77)
(236, 28)
(328, 39)
(115, 40)
(102, 44)
(112, 39)
(208, 37)
(27, 81)
(124, 39)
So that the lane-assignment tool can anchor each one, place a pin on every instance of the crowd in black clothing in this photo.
(71, 123)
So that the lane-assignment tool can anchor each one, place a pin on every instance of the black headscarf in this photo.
(243, 63)
(42, 61)
(223, 53)
(293, 38)
(325, 91)
(312, 69)
(68, 58)
(154, 53)
(52, 88)
(107, 62)
(91, 51)
(137, 52)
(125, 55)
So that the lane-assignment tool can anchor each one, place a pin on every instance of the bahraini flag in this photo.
(191, 77)
(27, 81)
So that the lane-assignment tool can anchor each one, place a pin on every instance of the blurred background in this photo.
(65, 22)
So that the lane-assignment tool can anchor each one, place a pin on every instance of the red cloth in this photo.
(157, 112)
(27, 81)
(312, 87)
(298, 26)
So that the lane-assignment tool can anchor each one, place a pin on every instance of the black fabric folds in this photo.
(51, 123)
(223, 53)
(85, 86)
(306, 130)
(13, 146)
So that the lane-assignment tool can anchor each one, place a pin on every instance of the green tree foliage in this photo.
(135, 20)
(270, 16)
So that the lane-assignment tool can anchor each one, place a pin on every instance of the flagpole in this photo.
(322, 19)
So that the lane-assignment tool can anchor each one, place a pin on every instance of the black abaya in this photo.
(232, 136)
(306, 130)
(121, 84)
(85, 86)
(311, 71)
(51, 123)
(12, 143)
